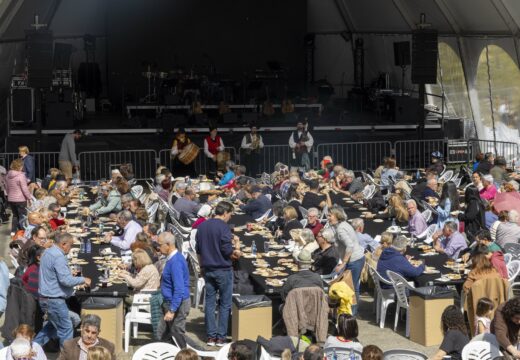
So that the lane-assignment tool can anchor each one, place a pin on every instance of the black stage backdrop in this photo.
(237, 36)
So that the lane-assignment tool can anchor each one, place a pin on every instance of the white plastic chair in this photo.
(204, 354)
(156, 351)
(200, 284)
(265, 216)
(427, 233)
(404, 354)
(14, 261)
(513, 249)
(480, 350)
(400, 286)
(137, 191)
(304, 222)
(303, 211)
(223, 352)
(139, 314)
(507, 258)
(324, 214)
(457, 182)
(446, 176)
(152, 210)
(384, 297)
(513, 269)
(427, 215)
(369, 191)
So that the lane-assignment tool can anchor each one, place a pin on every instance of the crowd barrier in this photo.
(200, 163)
(43, 161)
(409, 154)
(358, 156)
(96, 165)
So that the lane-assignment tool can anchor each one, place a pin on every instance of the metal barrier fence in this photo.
(43, 161)
(200, 162)
(508, 150)
(97, 165)
(270, 155)
(414, 154)
(358, 156)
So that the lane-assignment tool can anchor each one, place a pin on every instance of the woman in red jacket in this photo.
(18, 194)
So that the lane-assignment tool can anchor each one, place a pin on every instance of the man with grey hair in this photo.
(304, 277)
(326, 257)
(180, 188)
(353, 185)
(130, 229)
(313, 221)
(175, 286)
(430, 190)
(187, 203)
(509, 231)
(56, 284)
(78, 347)
(366, 241)
(449, 241)
(392, 258)
(416, 222)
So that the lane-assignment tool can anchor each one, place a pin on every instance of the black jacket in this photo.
(21, 309)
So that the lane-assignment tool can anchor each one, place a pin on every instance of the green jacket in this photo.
(109, 205)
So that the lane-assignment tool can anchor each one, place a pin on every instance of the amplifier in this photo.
(458, 152)
(22, 105)
(18, 81)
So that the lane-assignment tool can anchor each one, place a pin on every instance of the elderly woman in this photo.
(147, 277)
(291, 222)
(326, 257)
(110, 202)
(18, 194)
(24, 331)
(202, 215)
(60, 193)
(350, 251)
(304, 239)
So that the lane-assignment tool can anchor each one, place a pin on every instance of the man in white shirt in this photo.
(252, 145)
(130, 229)
(301, 142)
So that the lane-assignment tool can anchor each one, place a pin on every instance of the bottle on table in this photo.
(82, 247)
(88, 247)
(253, 248)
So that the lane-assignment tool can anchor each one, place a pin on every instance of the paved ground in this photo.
(369, 333)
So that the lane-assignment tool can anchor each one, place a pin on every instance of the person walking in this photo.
(68, 160)
(175, 286)
(18, 195)
(56, 284)
(28, 163)
(216, 249)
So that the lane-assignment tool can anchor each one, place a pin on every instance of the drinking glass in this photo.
(266, 246)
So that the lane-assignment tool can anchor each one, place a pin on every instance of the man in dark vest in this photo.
(252, 145)
(301, 142)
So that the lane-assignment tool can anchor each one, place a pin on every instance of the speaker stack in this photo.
(39, 52)
(402, 53)
(424, 56)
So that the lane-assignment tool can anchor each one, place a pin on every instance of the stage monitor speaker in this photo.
(454, 128)
(424, 56)
(38, 44)
(22, 105)
(402, 53)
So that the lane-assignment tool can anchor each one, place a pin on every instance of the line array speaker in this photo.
(424, 56)
(38, 45)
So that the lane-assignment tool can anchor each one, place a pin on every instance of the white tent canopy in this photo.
(478, 69)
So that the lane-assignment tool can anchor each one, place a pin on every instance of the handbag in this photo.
(346, 276)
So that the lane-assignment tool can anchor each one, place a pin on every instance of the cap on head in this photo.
(304, 257)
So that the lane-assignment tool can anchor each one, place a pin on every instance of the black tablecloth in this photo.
(90, 270)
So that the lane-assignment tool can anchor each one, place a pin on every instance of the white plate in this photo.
(362, 209)
(378, 220)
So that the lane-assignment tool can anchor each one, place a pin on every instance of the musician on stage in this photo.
(180, 142)
(213, 144)
(301, 142)
(252, 144)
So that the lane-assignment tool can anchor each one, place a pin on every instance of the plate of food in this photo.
(430, 270)
(454, 276)
(362, 209)
(275, 246)
(415, 262)
(378, 220)
(274, 282)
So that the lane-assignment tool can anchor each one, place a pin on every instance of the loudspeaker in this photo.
(62, 53)
(424, 56)
(22, 105)
(403, 109)
(402, 53)
(454, 128)
(38, 45)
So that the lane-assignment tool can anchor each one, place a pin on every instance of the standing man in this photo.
(252, 144)
(216, 249)
(175, 286)
(55, 286)
(68, 160)
(213, 144)
(301, 142)
(28, 163)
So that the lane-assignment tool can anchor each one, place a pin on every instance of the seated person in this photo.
(240, 350)
(147, 277)
(393, 259)
(326, 257)
(372, 352)
(110, 202)
(385, 242)
(365, 240)
(38, 237)
(346, 183)
(313, 199)
(506, 326)
(24, 331)
(492, 250)
(258, 205)
(509, 231)
(34, 219)
(481, 268)
(455, 334)
(313, 221)
(54, 214)
(60, 193)
(202, 215)
(20, 348)
(178, 192)
(30, 277)
(489, 190)
(449, 241)
(78, 347)
(416, 223)
(187, 203)
(130, 230)
(303, 239)
(291, 222)
(395, 210)
(313, 352)
(304, 277)
(347, 333)
(430, 191)
(224, 179)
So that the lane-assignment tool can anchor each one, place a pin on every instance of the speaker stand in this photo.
(403, 74)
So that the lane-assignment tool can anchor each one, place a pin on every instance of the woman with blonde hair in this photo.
(291, 222)
(98, 353)
(147, 277)
(18, 195)
(396, 209)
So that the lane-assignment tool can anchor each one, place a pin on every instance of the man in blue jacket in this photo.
(28, 163)
(393, 259)
(259, 204)
(175, 285)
